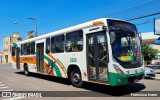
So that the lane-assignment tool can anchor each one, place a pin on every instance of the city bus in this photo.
(102, 51)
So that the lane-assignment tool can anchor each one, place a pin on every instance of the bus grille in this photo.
(131, 79)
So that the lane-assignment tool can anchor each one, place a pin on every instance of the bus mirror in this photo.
(112, 37)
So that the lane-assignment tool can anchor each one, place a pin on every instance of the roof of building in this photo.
(149, 38)
(149, 35)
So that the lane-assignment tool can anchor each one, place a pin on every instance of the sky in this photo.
(52, 15)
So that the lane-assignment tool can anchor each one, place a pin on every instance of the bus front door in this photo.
(97, 57)
(40, 57)
(17, 58)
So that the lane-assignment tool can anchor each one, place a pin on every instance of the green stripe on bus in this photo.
(114, 79)
(54, 66)
(15, 45)
(62, 65)
(117, 79)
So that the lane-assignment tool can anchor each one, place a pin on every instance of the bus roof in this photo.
(66, 30)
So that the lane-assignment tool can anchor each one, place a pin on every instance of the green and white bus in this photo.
(103, 51)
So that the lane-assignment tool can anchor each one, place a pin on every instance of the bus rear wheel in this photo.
(76, 78)
(26, 72)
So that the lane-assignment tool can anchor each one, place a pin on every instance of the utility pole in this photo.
(35, 21)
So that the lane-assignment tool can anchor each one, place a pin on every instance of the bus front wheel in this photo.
(76, 78)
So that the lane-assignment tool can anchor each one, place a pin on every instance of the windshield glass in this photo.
(125, 43)
(127, 47)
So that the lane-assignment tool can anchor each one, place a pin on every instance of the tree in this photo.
(30, 36)
(148, 53)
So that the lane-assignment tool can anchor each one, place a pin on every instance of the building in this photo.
(1, 55)
(7, 46)
(149, 38)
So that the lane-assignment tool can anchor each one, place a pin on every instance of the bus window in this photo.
(102, 49)
(13, 51)
(32, 48)
(26, 49)
(57, 44)
(74, 41)
(48, 45)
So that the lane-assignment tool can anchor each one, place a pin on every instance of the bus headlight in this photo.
(118, 70)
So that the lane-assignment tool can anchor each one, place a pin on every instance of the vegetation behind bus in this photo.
(148, 53)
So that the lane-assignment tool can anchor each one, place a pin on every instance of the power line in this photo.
(144, 22)
(144, 16)
(129, 11)
(141, 9)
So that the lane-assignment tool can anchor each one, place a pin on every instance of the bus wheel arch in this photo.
(74, 75)
(25, 67)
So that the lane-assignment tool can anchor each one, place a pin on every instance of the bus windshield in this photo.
(127, 47)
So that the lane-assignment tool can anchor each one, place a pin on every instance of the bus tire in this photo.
(26, 72)
(76, 78)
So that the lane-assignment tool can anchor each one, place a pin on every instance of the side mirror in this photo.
(112, 37)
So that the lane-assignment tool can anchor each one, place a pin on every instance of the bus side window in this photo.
(74, 41)
(32, 48)
(26, 49)
(57, 44)
(48, 42)
(13, 51)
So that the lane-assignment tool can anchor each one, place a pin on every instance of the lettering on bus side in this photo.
(73, 59)
(27, 59)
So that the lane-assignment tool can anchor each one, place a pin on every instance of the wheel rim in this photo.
(76, 78)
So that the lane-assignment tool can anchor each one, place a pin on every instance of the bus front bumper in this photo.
(117, 79)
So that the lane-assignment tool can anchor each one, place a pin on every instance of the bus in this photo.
(103, 51)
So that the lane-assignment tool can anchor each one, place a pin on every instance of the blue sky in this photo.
(53, 15)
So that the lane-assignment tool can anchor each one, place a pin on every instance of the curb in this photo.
(158, 78)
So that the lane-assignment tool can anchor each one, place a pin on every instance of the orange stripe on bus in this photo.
(45, 65)
(28, 59)
(14, 58)
(57, 63)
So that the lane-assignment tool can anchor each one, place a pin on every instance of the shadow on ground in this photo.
(95, 89)
(46, 77)
(116, 90)
(150, 78)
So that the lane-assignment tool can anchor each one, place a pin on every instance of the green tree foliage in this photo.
(148, 53)
(31, 36)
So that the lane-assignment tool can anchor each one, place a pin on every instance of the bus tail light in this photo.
(118, 70)
(98, 23)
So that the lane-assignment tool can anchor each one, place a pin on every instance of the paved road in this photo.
(14, 80)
